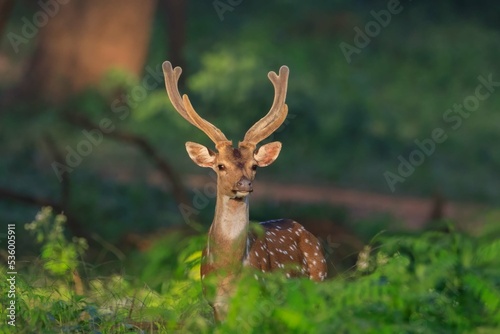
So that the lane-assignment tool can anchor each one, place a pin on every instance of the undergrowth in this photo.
(434, 282)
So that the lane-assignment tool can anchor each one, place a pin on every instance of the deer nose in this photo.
(244, 184)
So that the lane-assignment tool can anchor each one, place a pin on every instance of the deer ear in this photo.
(201, 155)
(266, 154)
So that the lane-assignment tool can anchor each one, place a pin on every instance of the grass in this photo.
(430, 282)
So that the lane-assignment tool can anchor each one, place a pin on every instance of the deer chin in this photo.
(239, 194)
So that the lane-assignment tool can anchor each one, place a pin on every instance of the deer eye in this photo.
(254, 167)
(221, 167)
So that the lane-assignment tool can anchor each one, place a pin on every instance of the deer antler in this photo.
(184, 107)
(276, 115)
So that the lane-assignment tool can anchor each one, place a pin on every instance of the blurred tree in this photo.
(5, 9)
(176, 29)
(83, 40)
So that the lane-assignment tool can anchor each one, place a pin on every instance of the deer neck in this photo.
(227, 237)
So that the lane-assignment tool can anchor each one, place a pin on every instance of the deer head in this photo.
(235, 167)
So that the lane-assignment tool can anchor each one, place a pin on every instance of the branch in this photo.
(164, 167)
(73, 224)
(63, 205)
(58, 157)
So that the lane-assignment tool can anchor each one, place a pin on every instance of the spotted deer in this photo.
(282, 244)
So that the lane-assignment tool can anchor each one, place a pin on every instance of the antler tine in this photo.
(184, 106)
(278, 112)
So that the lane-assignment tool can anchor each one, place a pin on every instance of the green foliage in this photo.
(347, 124)
(434, 282)
(364, 114)
(60, 256)
(115, 304)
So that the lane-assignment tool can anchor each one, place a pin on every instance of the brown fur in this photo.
(284, 244)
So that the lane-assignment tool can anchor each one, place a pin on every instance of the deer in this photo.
(280, 244)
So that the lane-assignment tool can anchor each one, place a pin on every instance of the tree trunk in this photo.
(5, 9)
(175, 11)
(84, 40)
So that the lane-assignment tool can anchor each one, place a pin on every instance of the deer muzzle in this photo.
(243, 186)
